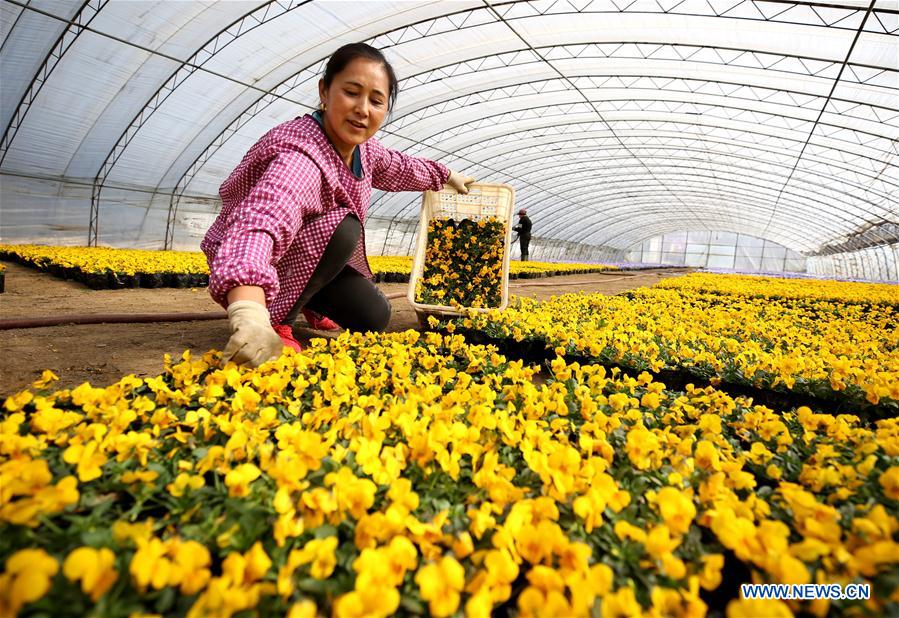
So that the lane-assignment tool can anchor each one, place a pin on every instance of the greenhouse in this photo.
(450, 308)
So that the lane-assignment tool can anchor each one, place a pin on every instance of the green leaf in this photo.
(166, 600)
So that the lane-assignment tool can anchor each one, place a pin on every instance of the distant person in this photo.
(290, 234)
(524, 233)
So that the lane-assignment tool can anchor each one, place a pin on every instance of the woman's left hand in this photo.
(459, 182)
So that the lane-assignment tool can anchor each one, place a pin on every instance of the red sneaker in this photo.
(285, 331)
(319, 322)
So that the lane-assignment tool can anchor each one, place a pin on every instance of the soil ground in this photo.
(103, 353)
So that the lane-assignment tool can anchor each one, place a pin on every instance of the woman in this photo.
(290, 234)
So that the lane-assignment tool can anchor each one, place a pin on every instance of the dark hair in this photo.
(346, 54)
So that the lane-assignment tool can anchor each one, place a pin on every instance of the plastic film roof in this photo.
(615, 120)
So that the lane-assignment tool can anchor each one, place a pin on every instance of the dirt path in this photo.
(103, 353)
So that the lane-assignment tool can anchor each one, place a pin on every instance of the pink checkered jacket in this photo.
(284, 200)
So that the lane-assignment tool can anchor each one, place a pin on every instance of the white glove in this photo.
(459, 182)
(253, 340)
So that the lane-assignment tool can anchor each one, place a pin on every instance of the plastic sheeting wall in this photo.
(873, 263)
(551, 250)
(52, 212)
(718, 250)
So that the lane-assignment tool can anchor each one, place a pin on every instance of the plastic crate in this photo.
(482, 201)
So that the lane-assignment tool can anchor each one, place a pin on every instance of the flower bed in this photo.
(412, 474)
(105, 268)
(821, 348)
(535, 270)
(390, 268)
(109, 268)
(745, 286)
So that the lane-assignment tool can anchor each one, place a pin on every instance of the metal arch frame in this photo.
(579, 206)
(525, 115)
(549, 141)
(78, 24)
(630, 202)
(12, 28)
(397, 123)
(666, 143)
(599, 115)
(516, 147)
(645, 107)
(574, 166)
(653, 209)
(612, 162)
(421, 111)
(607, 194)
(530, 154)
(833, 88)
(633, 206)
(562, 219)
(733, 192)
(628, 216)
(579, 174)
(819, 205)
(767, 137)
(626, 148)
(543, 138)
(184, 181)
(621, 199)
(422, 143)
(795, 4)
(648, 205)
(740, 3)
(495, 119)
(550, 154)
(741, 85)
(233, 31)
(767, 113)
(618, 45)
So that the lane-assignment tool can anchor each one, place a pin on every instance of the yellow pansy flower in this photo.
(95, 569)
(26, 579)
(441, 584)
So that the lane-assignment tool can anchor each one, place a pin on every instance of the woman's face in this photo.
(355, 104)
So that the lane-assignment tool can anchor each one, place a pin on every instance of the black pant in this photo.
(524, 241)
(338, 291)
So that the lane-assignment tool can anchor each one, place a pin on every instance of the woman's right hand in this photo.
(459, 182)
(253, 340)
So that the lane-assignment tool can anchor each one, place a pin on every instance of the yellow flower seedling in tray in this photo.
(462, 253)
